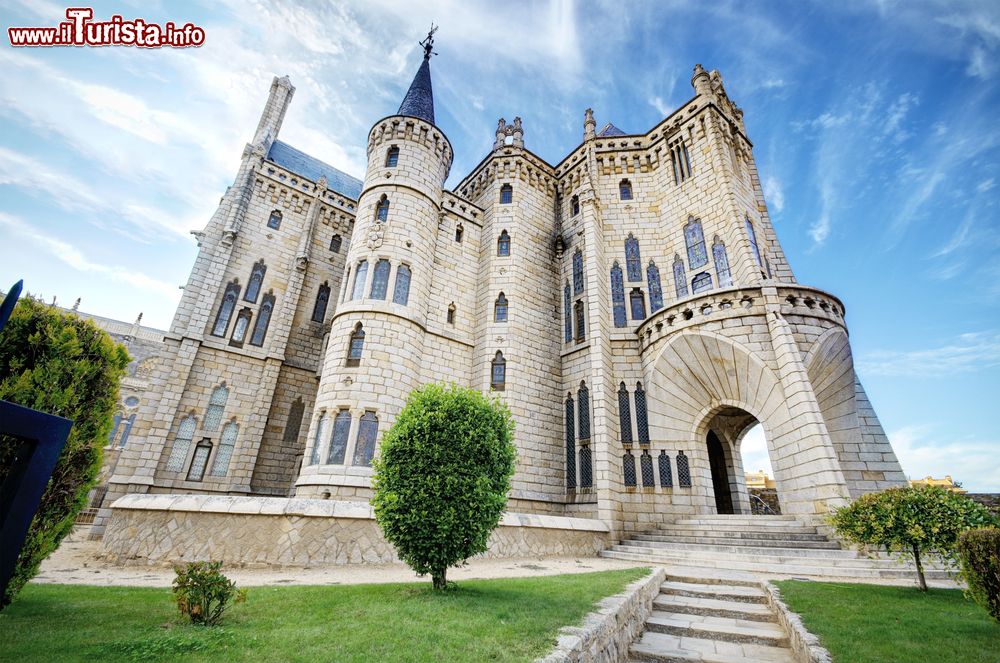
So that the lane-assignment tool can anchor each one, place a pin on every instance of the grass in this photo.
(877, 624)
(510, 619)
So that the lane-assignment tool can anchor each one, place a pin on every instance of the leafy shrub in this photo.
(979, 551)
(63, 365)
(912, 520)
(442, 477)
(203, 593)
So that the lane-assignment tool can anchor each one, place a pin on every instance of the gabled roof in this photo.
(419, 99)
(312, 169)
(610, 130)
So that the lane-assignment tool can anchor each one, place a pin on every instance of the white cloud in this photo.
(662, 107)
(986, 185)
(774, 193)
(922, 452)
(967, 353)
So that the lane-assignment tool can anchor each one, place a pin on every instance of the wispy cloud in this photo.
(774, 193)
(924, 451)
(967, 353)
(986, 185)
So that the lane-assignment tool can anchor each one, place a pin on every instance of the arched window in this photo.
(683, 470)
(624, 415)
(694, 240)
(451, 314)
(646, 465)
(321, 427)
(225, 312)
(568, 313)
(633, 263)
(459, 231)
(227, 443)
(256, 279)
(503, 244)
(263, 320)
(586, 467)
(618, 295)
(241, 327)
(116, 422)
(498, 372)
(681, 162)
(392, 157)
(580, 326)
(753, 240)
(382, 209)
(680, 278)
(701, 282)
(628, 469)
(335, 243)
(380, 279)
(338, 443)
(360, 276)
(655, 288)
(125, 431)
(583, 406)
(500, 309)
(294, 422)
(641, 416)
(506, 194)
(575, 204)
(637, 304)
(322, 298)
(200, 460)
(721, 263)
(364, 444)
(578, 283)
(182, 442)
(625, 190)
(274, 221)
(216, 407)
(666, 477)
(401, 290)
(356, 346)
(570, 444)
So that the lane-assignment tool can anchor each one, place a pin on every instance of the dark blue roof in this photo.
(610, 130)
(419, 99)
(306, 166)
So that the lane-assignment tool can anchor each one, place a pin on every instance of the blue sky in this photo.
(875, 126)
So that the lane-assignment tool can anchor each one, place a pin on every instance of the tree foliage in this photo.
(442, 477)
(60, 364)
(203, 593)
(979, 551)
(912, 520)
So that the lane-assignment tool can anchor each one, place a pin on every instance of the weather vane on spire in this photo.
(428, 43)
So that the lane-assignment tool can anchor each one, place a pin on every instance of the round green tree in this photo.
(60, 364)
(911, 521)
(442, 477)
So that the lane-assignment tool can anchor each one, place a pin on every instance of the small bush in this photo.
(203, 593)
(979, 551)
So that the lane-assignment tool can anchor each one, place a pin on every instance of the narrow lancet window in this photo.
(498, 372)
(637, 302)
(274, 221)
(581, 332)
(226, 308)
(392, 157)
(220, 466)
(401, 291)
(624, 414)
(356, 346)
(680, 278)
(578, 283)
(655, 288)
(322, 298)
(500, 309)
(694, 240)
(568, 313)
(570, 444)
(360, 276)
(256, 279)
(216, 408)
(618, 296)
(382, 209)
(364, 444)
(263, 320)
(241, 327)
(625, 190)
(753, 241)
(633, 263)
(641, 416)
(380, 279)
(503, 244)
(721, 263)
(583, 406)
(182, 443)
(506, 194)
(338, 443)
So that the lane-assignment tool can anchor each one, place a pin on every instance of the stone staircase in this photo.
(712, 619)
(777, 546)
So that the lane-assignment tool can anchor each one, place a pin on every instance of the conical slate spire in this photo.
(419, 99)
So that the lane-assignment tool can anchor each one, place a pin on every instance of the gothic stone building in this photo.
(631, 304)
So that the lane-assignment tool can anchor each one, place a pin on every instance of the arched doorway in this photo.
(720, 475)
(732, 492)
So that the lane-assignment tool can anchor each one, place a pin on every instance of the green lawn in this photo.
(512, 619)
(876, 624)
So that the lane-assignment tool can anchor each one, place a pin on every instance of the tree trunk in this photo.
(920, 568)
(438, 578)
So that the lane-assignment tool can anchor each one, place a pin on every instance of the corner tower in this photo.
(376, 344)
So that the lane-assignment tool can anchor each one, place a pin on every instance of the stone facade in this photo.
(631, 304)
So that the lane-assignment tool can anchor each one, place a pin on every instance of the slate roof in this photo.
(419, 99)
(306, 166)
(610, 130)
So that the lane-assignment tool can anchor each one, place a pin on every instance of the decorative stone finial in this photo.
(700, 80)
(589, 124)
(76, 304)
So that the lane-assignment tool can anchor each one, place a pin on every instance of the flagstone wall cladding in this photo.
(764, 345)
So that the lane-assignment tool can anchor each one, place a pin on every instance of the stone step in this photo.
(693, 605)
(727, 521)
(743, 549)
(718, 628)
(716, 591)
(751, 538)
(798, 556)
(732, 530)
(860, 568)
(654, 647)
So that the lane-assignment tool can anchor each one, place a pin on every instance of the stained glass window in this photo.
(583, 406)
(498, 372)
(680, 278)
(321, 426)
(382, 209)
(227, 444)
(503, 244)
(241, 326)
(655, 288)
(694, 239)
(633, 263)
(216, 407)
(618, 296)
(701, 282)
(182, 442)
(338, 443)
(360, 276)
(578, 272)
(666, 479)
(581, 332)
(392, 157)
(637, 302)
(641, 416)
(506, 194)
(364, 445)
(625, 190)
(356, 347)
(624, 414)
(401, 291)
(294, 423)
(570, 444)
(274, 221)
(222, 318)
(200, 459)
(568, 313)
(263, 320)
(380, 279)
(753, 240)
(721, 263)
(256, 278)
(500, 309)
(322, 298)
